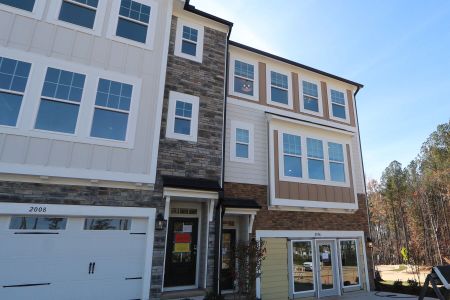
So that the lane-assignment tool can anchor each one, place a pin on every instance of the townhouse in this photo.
(293, 155)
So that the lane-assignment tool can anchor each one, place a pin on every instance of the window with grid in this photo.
(336, 160)
(292, 159)
(338, 104)
(134, 18)
(242, 142)
(310, 96)
(243, 77)
(79, 12)
(27, 5)
(112, 108)
(279, 88)
(13, 80)
(189, 41)
(60, 101)
(315, 159)
(183, 117)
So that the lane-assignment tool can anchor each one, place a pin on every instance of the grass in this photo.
(400, 268)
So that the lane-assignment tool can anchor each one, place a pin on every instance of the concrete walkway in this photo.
(373, 296)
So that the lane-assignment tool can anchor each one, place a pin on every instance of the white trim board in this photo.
(86, 210)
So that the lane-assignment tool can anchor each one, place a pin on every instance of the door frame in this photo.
(94, 210)
(197, 206)
(336, 290)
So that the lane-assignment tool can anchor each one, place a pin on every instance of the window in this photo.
(189, 40)
(315, 159)
(37, 223)
(112, 108)
(13, 80)
(279, 88)
(349, 263)
(27, 5)
(336, 157)
(243, 78)
(107, 224)
(182, 118)
(302, 266)
(311, 102)
(292, 160)
(241, 142)
(338, 105)
(133, 21)
(79, 12)
(60, 101)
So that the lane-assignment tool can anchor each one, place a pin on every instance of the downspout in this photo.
(364, 176)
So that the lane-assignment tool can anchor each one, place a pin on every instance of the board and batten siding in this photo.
(88, 160)
(255, 172)
(274, 270)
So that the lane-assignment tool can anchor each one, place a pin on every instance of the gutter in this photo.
(192, 9)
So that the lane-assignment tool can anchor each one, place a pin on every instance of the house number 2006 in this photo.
(37, 209)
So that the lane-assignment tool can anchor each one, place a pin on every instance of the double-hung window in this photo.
(79, 12)
(60, 101)
(112, 109)
(242, 142)
(28, 8)
(27, 5)
(182, 118)
(336, 159)
(311, 102)
(189, 41)
(244, 78)
(279, 88)
(133, 22)
(13, 80)
(338, 104)
(292, 155)
(315, 159)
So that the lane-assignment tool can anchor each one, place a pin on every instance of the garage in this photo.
(75, 252)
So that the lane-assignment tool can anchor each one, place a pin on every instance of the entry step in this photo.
(197, 294)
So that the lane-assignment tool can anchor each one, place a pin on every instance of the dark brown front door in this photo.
(228, 261)
(181, 253)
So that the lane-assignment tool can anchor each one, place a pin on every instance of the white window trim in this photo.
(53, 14)
(32, 99)
(269, 85)
(170, 128)
(38, 10)
(330, 105)
(251, 144)
(114, 19)
(319, 97)
(255, 96)
(179, 38)
(304, 159)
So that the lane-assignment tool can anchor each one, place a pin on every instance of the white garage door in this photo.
(62, 257)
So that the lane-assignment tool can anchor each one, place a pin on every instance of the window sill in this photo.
(181, 137)
(119, 39)
(313, 181)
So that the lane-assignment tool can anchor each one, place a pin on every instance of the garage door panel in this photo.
(37, 292)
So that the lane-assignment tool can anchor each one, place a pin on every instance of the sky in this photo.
(398, 49)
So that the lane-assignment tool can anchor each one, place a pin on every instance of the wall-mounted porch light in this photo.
(160, 222)
(369, 243)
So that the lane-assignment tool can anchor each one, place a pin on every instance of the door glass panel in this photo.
(303, 266)
(326, 267)
(226, 251)
(349, 259)
(182, 243)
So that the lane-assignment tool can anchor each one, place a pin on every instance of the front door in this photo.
(181, 252)
(228, 261)
(326, 268)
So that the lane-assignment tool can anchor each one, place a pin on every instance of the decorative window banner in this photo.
(182, 247)
(187, 228)
(182, 237)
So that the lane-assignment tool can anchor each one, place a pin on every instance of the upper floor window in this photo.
(315, 159)
(112, 108)
(189, 40)
(134, 18)
(27, 5)
(60, 101)
(79, 12)
(182, 117)
(244, 77)
(278, 89)
(292, 155)
(311, 102)
(241, 143)
(336, 158)
(13, 80)
(339, 108)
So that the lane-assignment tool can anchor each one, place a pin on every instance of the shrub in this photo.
(398, 284)
(413, 283)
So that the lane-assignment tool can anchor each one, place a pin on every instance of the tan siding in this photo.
(350, 107)
(326, 111)
(295, 92)
(262, 83)
(274, 278)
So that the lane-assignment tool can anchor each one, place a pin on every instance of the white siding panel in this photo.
(357, 166)
(38, 150)
(117, 57)
(64, 42)
(101, 158)
(14, 149)
(6, 21)
(82, 48)
(100, 52)
(22, 32)
(44, 35)
(60, 153)
(256, 172)
(119, 160)
(134, 59)
(81, 156)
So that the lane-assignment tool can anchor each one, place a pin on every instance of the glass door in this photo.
(303, 283)
(326, 268)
